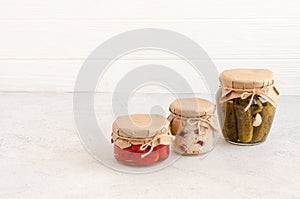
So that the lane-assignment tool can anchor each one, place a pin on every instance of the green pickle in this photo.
(228, 123)
(257, 106)
(260, 133)
(244, 119)
(237, 124)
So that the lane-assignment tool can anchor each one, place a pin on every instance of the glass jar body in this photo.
(134, 156)
(194, 139)
(245, 126)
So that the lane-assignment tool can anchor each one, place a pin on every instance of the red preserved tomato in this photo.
(149, 159)
(122, 154)
(136, 149)
(163, 150)
(133, 154)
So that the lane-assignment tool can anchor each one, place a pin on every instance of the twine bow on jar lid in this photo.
(156, 139)
(205, 121)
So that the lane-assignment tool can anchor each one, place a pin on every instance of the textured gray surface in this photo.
(41, 157)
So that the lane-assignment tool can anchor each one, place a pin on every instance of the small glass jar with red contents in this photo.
(141, 139)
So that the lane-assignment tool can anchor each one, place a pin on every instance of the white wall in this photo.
(43, 44)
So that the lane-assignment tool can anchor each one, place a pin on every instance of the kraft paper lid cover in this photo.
(246, 78)
(140, 125)
(192, 107)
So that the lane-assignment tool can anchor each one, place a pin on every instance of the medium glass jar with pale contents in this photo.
(141, 139)
(247, 105)
(194, 125)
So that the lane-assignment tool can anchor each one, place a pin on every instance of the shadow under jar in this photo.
(247, 105)
(141, 139)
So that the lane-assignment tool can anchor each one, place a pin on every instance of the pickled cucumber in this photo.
(257, 106)
(228, 122)
(244, 119)
(267, 114)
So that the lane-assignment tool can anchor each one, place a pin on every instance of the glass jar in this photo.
(194, 125)
(247, 105)
(141, 139)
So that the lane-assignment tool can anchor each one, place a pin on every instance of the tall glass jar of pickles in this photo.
(247, 104)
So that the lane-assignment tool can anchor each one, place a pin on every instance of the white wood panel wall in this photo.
(44, 43)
